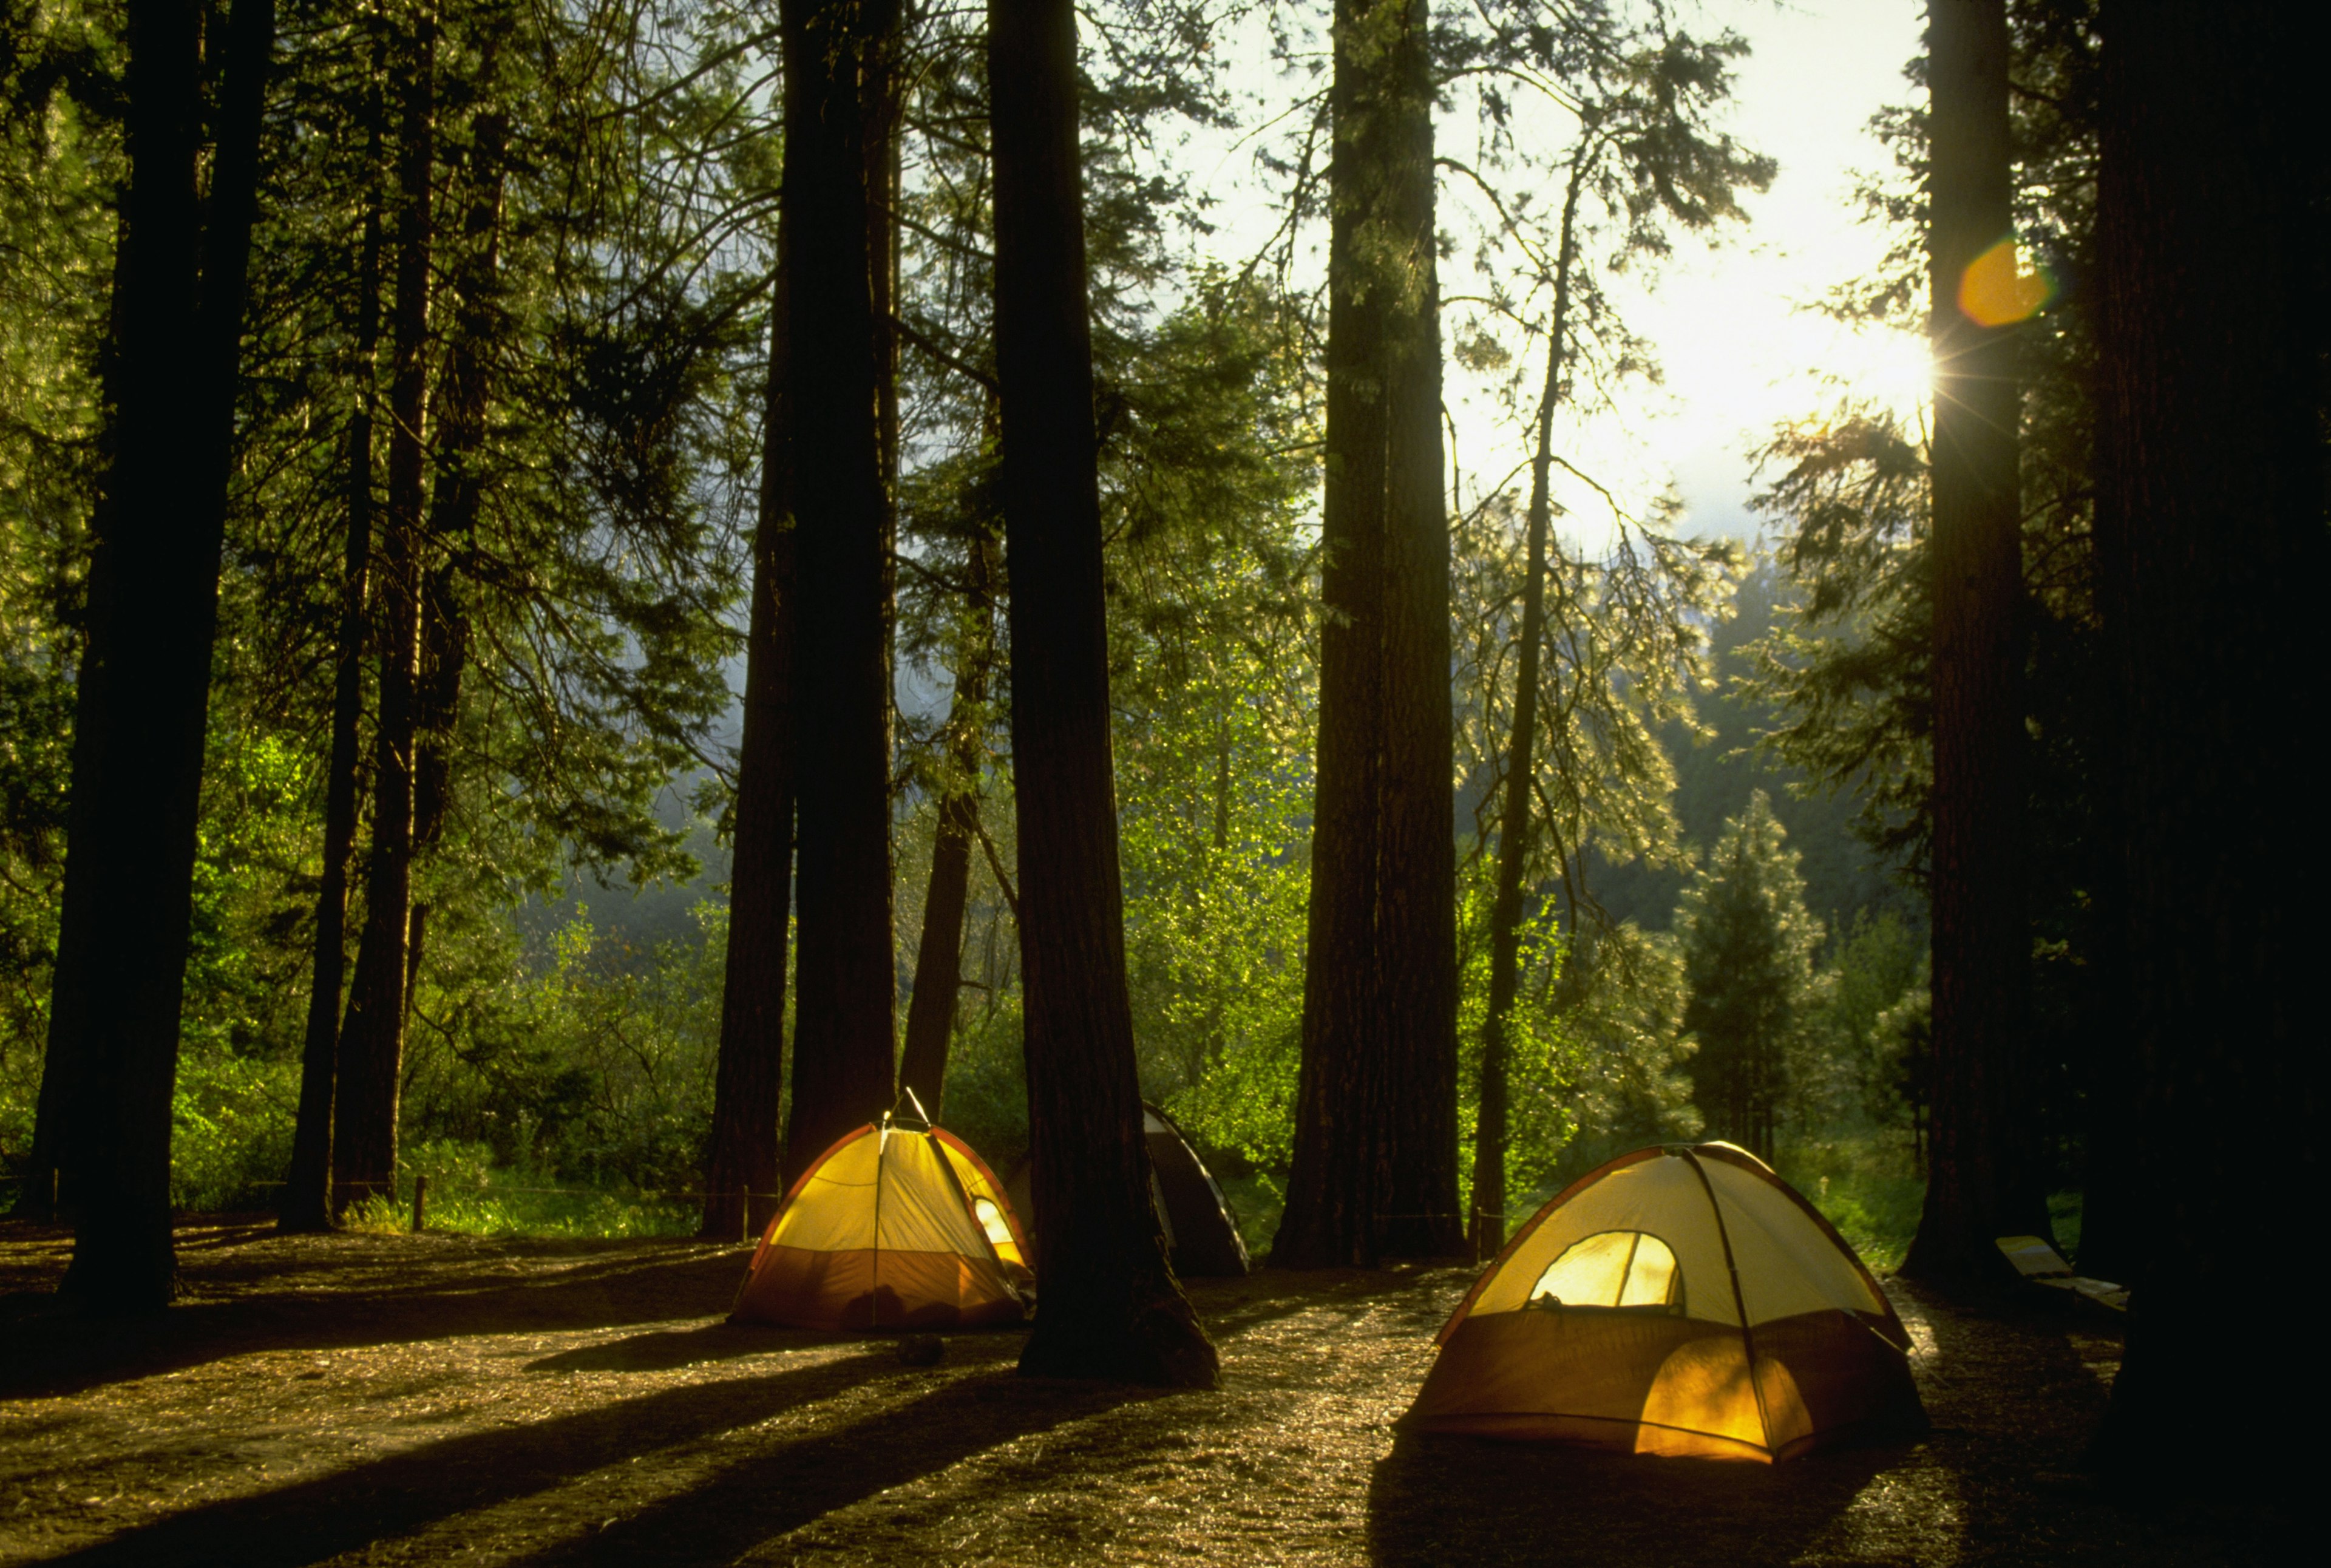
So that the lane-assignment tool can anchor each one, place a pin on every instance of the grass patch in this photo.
(470, 1195)
(1867, 1184)
(577, 1212)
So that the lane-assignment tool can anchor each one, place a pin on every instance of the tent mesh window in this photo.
(1613, 1269)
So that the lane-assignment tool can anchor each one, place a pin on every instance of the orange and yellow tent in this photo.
(897, 1226)
(1681, 1301)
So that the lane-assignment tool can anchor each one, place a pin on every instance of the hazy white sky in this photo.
(1740, 350)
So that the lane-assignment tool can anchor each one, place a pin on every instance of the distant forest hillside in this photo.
(1715, 778)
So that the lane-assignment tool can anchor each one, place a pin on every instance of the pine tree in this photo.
(1112, 1307)
(1748, 949)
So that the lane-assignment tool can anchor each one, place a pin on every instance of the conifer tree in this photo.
(1112, 1307)
(1748, 950)
(1375, 1144)
(1982, 1171)
(2213, 546)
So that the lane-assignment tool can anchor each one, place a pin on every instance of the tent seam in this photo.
(1739, 1302)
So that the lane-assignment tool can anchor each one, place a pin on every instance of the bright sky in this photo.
(1730, 325)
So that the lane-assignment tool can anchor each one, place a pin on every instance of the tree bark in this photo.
(1489, 1224)
(463, 396)
(1416, 924)
(1112, 1308)
(2211, 545)
(1983, 1180)
(747, 1154)
(938, 959)
(308, 1184)
(183, 278)
(845, 1031)
(1375, 1141)
(372, 1038)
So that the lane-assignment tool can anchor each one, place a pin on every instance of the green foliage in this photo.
(1847, 1072)
(1868, 1184)
(1748, 950)
(1626, 1080)
(231, 1129)
(469, 1194)
(590, 1061)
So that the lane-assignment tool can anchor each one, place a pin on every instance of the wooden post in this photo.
(419, 1204)
(745, 1213)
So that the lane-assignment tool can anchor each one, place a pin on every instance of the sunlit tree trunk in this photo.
(308, 1185)
(1376, 1140)
(2211, 543)
(938, 959)
(1416, 920)
(747, 1154)
(372, 1037)
(844, 1030)
(182, 278)
(462, 397)
(1982, 1176)
(1112, 1308)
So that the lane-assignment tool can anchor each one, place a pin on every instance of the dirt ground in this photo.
(432, 1399)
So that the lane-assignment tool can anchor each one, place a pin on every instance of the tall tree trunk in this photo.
(1112, 1308)
(1376, 1140)
(1416, 923)
(1488, 1230)
(308, 1184)
(2211, 541)
(459, 423)
(183, 280)
(938, 959)
(844, 1028)
(1981, 1177)
(747, 1154)
(2113, 1217)
(1330, 1213)
(372, 1040)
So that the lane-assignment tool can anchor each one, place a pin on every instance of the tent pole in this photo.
(1739, 1302)
(874, 1287)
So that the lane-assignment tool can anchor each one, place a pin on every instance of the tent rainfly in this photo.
(897, 1226)
(1681, 1301)
(1197, 1218)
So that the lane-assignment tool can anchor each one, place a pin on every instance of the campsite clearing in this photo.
(410, 1400)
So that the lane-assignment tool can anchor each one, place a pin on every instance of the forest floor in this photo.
(430, 1399)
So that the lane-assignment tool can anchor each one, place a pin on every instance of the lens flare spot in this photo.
(1995, 291)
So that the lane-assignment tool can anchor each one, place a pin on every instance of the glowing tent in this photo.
(1681, 1301)
(897, 1226)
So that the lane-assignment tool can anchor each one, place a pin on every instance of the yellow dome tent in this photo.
(1681, 1301)
(897, 1226)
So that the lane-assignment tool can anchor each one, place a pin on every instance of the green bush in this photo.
(232, 1130)
(1867, 1184)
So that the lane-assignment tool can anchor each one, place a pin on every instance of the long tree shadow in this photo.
(782, 1489)
(1466, 1500)
(50, 1349)
(314, 1520)
(668, 1349)
(1229, 1306)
